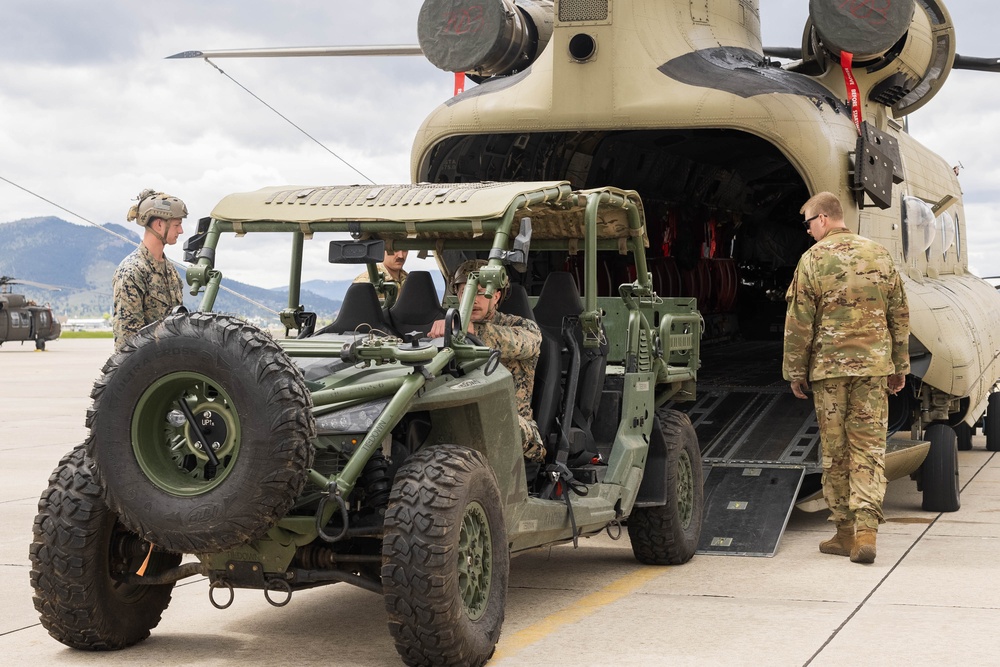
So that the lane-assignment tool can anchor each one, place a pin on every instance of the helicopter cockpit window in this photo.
(948, 230)
(918, 226)
(43, 318)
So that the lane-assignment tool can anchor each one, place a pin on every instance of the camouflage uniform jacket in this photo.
(520, 342)
(145, 290)
(847, 313)
(380, 267)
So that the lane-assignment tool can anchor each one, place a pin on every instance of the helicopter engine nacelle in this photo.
(902, 51)
(860, 28)
(484, 38)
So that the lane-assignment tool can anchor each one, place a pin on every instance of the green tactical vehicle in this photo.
(364, 452)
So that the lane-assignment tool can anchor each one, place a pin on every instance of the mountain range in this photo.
(81, 260)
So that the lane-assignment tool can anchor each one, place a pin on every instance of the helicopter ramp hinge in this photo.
(877, 167)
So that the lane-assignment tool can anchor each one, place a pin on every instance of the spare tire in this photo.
(247, 400)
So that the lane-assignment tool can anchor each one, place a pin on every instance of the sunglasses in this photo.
(805, 223)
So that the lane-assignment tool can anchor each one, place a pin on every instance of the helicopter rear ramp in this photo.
(745, 412)
(757, 441)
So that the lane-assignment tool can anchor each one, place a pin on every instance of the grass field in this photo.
(86, 334)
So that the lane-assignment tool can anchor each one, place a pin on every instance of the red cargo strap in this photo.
(853, 94)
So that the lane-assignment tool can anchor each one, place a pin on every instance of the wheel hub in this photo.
(475, 561)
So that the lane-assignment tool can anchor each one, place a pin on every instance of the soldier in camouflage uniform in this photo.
(847, 331)
(391, 267)
(146, 285)
(519, 341)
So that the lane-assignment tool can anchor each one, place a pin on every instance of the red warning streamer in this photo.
(459, 82)
(853, 94)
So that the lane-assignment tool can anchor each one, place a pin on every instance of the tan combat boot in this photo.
(842, 543)
(864, 546)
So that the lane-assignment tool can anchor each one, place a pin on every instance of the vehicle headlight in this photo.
(355, 419)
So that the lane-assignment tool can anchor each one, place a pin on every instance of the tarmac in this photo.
(932, 597)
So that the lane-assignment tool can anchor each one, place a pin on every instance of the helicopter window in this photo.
(958, 237)
(43, 318)
(918, 226)
(15, 318)
(946, 227)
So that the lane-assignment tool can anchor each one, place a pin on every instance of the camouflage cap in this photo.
(152, 204)
(463, 271)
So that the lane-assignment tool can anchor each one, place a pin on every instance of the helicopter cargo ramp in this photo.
(757, 441)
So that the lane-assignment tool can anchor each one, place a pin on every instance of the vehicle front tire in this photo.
(445, 558)
(669, 534)
(939, 471)
(79, 548)
(251, 404)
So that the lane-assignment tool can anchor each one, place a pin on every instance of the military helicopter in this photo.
(22, 319)
(724, 142)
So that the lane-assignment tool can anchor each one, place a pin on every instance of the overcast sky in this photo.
(91, 112)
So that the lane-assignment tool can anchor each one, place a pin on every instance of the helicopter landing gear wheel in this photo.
(939, 471)
(963, 435)
(991, 424)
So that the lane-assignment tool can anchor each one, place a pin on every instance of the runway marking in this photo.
(580, 609)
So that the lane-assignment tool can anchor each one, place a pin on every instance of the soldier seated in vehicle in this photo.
(391, 267)
(519, 341)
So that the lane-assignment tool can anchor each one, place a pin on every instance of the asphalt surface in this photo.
(932, 597)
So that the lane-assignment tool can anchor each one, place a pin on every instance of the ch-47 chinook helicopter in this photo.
(680, 101)
(22, 319)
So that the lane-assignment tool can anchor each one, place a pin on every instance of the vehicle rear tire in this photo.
(445, 558)
(963, 436)
(939, 471)
(669, 534)
(253, 407)
(991, 423)
(79, 547)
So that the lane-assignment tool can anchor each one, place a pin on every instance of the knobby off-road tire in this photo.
(669, 534)
(252, 405)
(446, 559)
(79, 548)
(939, 471)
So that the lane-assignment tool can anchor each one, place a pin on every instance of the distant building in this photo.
(88, 324)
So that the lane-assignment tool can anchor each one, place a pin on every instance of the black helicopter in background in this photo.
(22, 319)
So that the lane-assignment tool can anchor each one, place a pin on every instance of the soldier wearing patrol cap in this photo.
(146, 285)
(847, 331)
(519, 341)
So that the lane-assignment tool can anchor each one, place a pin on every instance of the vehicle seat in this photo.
(360, 306)
(558, 300)
(418, 305)
(517, 303)
(545, 393)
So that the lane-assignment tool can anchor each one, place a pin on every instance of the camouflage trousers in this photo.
(531, 439)
(852, 413)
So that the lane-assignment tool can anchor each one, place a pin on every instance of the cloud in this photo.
(91, 112)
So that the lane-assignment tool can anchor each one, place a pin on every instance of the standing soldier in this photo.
(146, 285)
(519, 341)
(847, 330)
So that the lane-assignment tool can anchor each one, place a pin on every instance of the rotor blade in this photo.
(32, 283)
(790, 52)
(978, 64)
(306, 51)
